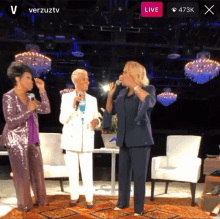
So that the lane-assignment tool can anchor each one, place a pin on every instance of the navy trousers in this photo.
(136, 159)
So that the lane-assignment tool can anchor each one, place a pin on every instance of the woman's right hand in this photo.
(76, 99)
(32, 105)
(112, 88)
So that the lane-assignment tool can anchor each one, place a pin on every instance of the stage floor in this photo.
(8, 197)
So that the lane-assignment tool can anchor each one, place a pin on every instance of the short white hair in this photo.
(76, 73)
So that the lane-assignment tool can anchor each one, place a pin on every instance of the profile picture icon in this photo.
(14, 9)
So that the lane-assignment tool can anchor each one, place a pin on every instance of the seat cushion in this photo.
(176, 174)
(55, 171)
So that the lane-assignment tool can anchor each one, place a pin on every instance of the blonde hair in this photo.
(76, 73)
(143, 73)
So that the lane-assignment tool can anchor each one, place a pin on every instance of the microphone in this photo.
(32, 96)
(118, 82)
(77, 103)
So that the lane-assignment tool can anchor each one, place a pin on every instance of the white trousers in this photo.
(85, 161)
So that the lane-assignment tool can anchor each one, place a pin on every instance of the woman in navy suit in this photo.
(133, 107)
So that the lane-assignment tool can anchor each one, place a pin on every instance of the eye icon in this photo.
(173, 9)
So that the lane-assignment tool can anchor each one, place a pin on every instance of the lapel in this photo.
(73, 96)
(20, 104)
(121, 99)
(74, 93)
(87, 107)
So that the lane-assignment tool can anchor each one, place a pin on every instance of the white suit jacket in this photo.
(74, 136)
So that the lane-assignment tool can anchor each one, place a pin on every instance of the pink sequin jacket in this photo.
(16, 113)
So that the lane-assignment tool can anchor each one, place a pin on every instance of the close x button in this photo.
(209, 9)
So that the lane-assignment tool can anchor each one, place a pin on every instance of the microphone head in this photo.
(118, 82)
(80, 93)
(32, 96)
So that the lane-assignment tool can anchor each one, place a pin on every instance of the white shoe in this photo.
(136, 214)
(117, 209)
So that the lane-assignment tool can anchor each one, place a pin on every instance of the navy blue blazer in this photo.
(141, 134)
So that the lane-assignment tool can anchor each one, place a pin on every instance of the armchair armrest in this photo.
(193, 169)
(157, 162)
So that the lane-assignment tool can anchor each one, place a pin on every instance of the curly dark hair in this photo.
(17, 69)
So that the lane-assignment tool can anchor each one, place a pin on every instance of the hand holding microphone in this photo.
(32, 104)
(112, 88)
(77, 100)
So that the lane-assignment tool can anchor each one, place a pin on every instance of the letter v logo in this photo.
(14, 9)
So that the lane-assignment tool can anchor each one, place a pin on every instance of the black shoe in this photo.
(71, 204)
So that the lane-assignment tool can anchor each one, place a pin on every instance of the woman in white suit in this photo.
(78, 135)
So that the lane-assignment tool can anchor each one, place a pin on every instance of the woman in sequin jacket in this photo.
(21, 135)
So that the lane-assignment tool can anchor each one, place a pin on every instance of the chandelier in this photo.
(37, 62)
(167, 97)
(69, 88)
(66, 90)
(202, 69)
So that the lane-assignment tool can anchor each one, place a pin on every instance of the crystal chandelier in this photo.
(66, 90)
(167, 97)
(69, 88)
(203, 69)
(37, 62)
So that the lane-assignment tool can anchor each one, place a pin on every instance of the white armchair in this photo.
(53, 158)
(181, 163)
